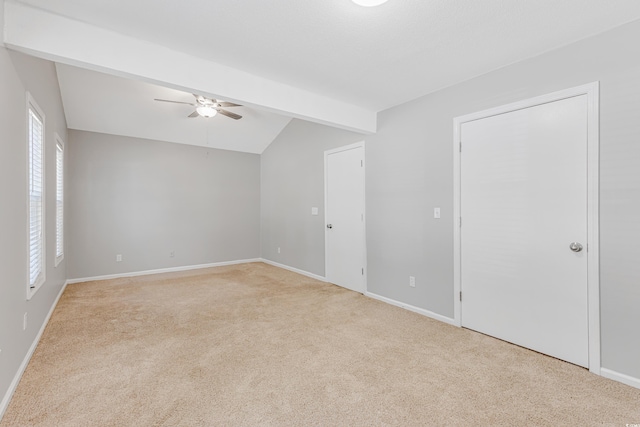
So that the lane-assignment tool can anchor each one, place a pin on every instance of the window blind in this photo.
(59, 200)
(36, 185)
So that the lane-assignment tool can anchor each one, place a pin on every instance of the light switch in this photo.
(436, 212)
(314, 211)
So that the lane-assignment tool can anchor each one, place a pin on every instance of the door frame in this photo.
(360, 144)
(591, 90)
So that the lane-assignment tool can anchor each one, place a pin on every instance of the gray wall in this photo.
(409, 172)
(144, 199)
(18, 74)
(292, 183)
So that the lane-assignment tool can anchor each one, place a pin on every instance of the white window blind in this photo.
(36, 205)
(59, 201)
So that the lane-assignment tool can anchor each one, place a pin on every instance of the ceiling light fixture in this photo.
(368, 3)
(206, 111)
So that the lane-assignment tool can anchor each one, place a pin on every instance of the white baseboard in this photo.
(23, 366)
(616, 376)
(415, 309)
(295, 270)
(163, 270)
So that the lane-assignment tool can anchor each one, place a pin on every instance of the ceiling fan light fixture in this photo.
(369, 3)
(206, 111)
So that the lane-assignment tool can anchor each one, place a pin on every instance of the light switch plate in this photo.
(436, 212)
(314, 211)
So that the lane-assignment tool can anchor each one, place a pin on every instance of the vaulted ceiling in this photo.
(328, 61)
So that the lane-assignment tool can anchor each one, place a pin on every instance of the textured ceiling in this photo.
(328, 61)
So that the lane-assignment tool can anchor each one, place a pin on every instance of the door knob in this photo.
(329, 225)
(575, 247)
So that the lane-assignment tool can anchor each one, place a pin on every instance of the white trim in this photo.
(593, 164)
(410, 307)
(593, 224)
(295, 270)
(616, 376)
(59, 142)
(162, 270)
(355, 145)
(25, 362)
(59, 259)
(32, 104)
(457, 146)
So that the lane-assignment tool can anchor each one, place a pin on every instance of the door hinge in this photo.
(363, 271)
(361, 163)
(460, 147)
(460, 221)
(460, 295)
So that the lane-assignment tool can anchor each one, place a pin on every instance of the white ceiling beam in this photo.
(60, 39)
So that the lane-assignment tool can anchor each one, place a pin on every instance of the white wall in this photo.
(144, 199)
(18, 74)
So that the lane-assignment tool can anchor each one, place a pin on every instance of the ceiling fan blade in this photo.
(175, 102)
(228, 104)
(234, 116)
(194, 114)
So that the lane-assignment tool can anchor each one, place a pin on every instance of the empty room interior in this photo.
(340, 212)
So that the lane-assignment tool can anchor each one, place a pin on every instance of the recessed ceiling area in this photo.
(331, 62)
(99, 102)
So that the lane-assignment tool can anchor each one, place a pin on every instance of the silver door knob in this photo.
(575, 247)
(329, 225)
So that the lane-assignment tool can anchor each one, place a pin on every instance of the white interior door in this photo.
(344, 193)
(523, 177)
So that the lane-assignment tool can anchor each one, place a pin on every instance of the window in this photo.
(35, 135)
(59, 200)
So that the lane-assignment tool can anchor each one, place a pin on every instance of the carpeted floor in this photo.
(254, 345)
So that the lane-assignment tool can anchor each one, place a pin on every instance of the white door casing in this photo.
(512, 262)
(344, 217)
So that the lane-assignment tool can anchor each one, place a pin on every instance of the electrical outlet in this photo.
(172, 254)
(24, 322)
(119, 258)
(278, 250)
(412, 281)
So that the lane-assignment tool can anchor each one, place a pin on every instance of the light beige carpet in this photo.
(254, 345)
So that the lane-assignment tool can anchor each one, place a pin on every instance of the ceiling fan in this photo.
(208, 107)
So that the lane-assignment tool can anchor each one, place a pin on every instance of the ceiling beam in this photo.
(60, 39)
